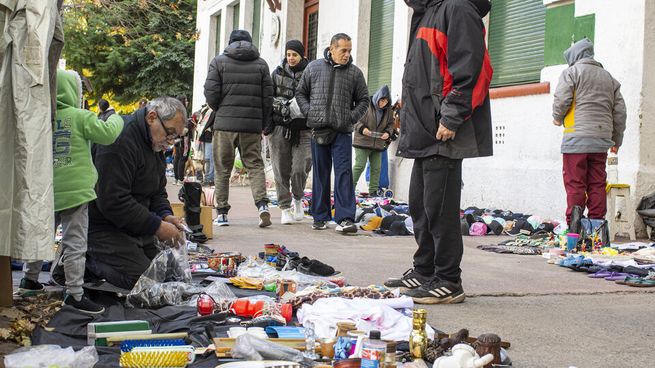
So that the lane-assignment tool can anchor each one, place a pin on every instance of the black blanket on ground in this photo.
(69, 327)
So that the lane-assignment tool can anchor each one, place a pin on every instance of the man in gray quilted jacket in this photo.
(333, 95)
(589, 104)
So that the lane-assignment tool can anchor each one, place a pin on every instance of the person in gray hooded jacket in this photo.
(589, 104)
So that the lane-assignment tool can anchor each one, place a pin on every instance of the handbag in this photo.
(594, 234)
(324, 136)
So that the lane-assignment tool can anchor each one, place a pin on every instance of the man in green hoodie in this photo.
(75, 176)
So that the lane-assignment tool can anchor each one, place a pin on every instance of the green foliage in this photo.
(131, 49)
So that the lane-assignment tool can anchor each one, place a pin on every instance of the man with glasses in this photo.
(132, 208)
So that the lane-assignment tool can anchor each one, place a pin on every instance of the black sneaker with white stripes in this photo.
(438, 292)
(410, 280)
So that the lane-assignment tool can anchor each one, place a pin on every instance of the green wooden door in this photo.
(256, 20)
(380, 49)
(516, 41)
(235, 16)
(218, 34)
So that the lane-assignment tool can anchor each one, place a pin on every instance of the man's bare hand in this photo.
(366, 132)
(168, 232)
(557, 123)
(614, 149)
(444, 134)
(178, 222)
(385, 136)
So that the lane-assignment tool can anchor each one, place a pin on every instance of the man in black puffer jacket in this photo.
(333, 95)
(239, 89)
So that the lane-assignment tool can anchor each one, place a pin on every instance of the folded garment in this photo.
(367, 314)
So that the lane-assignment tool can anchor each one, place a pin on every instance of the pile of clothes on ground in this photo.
(381, 215)
(487, 221)
(631, 264)
(384, 216)
(194, 307)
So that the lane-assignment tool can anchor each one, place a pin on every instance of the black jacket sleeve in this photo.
(214, 85)
(116, 167)
(303, 91)
(466, 52)
(360, 98)
(159, 203)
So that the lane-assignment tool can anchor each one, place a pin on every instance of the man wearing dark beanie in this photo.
(238, 88)
(290, 138)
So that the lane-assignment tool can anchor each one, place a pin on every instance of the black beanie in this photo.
(296, 46)
(240, 35)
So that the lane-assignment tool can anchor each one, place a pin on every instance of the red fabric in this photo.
(584, 180)
(484, 81)
(438, 43)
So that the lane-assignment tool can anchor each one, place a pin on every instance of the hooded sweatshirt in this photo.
(589, 102)
(383, 92)
(239, 89)
(377, 120)
(74, 129)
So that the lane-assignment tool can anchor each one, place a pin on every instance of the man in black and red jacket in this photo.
(445, 117)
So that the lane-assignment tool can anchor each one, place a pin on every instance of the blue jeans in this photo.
(209, 162)
(338, 152)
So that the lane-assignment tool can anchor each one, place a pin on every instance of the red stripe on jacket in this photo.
(438, 44)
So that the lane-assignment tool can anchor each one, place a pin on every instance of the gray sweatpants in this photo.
(75, 225)
(290, 164)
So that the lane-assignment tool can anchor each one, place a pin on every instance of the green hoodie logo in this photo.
(61, 143)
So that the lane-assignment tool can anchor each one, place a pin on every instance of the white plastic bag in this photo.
(52, 356)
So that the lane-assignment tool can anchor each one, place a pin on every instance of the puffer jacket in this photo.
(285, 82)
(239, 89)
(446, 80)
(332, 95)
(378, 121)
(588, 101)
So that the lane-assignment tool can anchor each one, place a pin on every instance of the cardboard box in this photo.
(205, 217)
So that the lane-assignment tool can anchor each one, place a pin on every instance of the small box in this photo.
(98, 332)
(205, 217)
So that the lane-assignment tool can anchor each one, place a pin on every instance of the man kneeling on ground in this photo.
(132, 208)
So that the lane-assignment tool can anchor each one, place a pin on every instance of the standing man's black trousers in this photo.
(434, 204)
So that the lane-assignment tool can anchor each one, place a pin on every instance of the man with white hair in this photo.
(132, 207)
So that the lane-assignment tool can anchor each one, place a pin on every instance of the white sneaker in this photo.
(298, 210)
(287, 217)
(221, 220)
